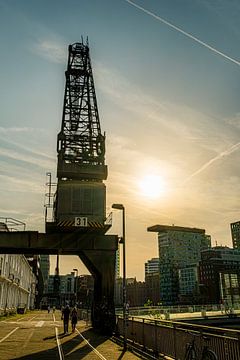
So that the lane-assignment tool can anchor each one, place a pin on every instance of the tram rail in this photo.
(40, 335)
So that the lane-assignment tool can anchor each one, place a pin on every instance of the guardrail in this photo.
(170, 338)
(157, 311)
(12, 224)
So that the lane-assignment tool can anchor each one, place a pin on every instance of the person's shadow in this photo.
(69, 346)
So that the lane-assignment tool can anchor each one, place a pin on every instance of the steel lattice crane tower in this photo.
(81, 146)
(80, 204)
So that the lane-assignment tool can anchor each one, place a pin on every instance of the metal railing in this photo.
(160, 311)
(170, 338)
(12, 224)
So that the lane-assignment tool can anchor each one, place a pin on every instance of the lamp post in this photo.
(76, 283)
(122, 241)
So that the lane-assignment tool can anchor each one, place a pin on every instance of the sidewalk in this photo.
(109, 349)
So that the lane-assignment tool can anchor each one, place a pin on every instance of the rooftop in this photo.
(164, 228)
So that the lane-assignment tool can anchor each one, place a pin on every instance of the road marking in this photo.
(5, 337)
(39, 324)
(24, 318)
(20, 319)
(60, 350)
(93, 348)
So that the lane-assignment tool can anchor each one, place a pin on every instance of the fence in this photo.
(170, 339)
(157, 311)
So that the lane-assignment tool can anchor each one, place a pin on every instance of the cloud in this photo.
(20, 185)
(15, 155)
(225, 153)
(26, 149)
(179, 136)
(6, 130)
(52, 50)
(177, 118)
(234, 120)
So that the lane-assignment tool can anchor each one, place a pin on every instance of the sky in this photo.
(167, 79)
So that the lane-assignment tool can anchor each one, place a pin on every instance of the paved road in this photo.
(39, 335)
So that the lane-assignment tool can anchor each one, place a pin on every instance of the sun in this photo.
(152, 186)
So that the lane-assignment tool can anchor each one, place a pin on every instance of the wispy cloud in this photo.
(194, 38)
(26, 158)
(178, 121)
(6, 130)
(52, 50)
(227, 152)
(188, 127)
(234, 120)
(22, 150)
(19, 147)
(21, 185)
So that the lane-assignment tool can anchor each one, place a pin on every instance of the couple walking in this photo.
(66, 314)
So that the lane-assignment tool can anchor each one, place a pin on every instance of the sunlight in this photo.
(152, 186)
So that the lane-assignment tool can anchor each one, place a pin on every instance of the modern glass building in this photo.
(178, 247)
(235, 231)
(219, 271)
(152, 266)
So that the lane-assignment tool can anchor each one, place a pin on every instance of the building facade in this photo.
(235, 232)
(17, 284)
(45, 267)
(219, 272)
(136, 292)
(178, 248)
(152, 266)
(66, 290)
(84, 290)
(66, 284)
(152, 283)
(188, 280)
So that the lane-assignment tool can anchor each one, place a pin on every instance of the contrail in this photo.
(184, 33)
(210, 162)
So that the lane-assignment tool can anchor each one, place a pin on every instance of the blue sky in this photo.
(169, 106)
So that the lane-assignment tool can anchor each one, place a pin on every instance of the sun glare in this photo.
(152, 186)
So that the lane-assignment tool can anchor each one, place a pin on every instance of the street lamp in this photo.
(76, 283)
(122, 241)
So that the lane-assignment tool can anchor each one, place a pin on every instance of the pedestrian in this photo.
(65, 318)
(74, 318)
(48, 309)
(53, 309)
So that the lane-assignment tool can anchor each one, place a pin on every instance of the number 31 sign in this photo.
(81, 221)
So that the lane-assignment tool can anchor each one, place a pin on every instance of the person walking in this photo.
(74, 318)
(65, 318)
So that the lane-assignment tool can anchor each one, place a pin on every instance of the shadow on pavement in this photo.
(69, 347)
(122, 354)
